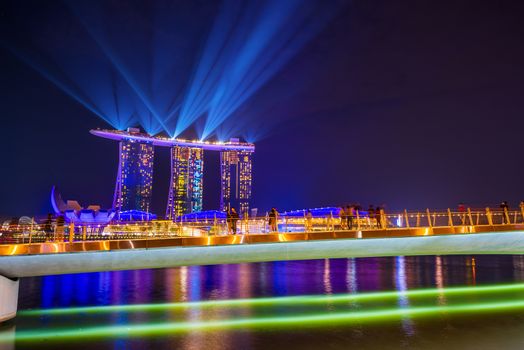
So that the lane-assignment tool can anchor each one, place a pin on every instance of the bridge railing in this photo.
(90, 232)
(360, 221)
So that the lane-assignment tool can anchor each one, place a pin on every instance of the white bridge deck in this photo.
(64, 258)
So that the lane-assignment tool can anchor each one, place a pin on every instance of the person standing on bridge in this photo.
(371, 216)
(378, 216)
(350, 213)
(272, 220)
(462, 213)
(234, 220)
(504, 206)
(309, 221)
(343, 217)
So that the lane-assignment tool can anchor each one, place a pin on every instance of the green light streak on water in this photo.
(324, 319)
(295, 300)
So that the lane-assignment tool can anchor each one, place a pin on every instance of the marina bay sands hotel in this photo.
(134, 183)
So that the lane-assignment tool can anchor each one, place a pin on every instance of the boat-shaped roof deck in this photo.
(171, 142)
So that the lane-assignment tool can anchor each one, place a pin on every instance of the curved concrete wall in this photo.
(131, 259)
(8, 298)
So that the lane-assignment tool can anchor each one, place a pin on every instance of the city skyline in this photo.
(371, 109)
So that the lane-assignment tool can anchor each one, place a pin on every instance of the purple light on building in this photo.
(134, 188)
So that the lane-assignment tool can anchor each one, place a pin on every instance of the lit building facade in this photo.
(186, 187)
(236, 176)
(134, 182)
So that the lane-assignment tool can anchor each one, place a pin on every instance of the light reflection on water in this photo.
(403, 301)
(277, 279)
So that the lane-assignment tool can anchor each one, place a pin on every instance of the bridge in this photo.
(206, 244)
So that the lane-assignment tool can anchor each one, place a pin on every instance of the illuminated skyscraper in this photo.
(135, 172)
(236, 174)
(134, 182)
(186, 186)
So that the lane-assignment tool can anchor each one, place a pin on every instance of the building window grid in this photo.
(135, 176)
(186, 188)
(239, 163)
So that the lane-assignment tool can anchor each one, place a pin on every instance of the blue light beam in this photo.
(281, 31)
(124, 73)
(219, 49)
(69, 89)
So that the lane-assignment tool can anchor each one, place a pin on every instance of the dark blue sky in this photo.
(410, 104)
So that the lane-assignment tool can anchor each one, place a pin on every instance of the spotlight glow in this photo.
(167, 70)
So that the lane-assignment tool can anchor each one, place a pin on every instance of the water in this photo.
(342, 308)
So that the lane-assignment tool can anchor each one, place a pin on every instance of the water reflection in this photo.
(402, 286)
(328, 289)
(518, 267)
(472, 271)
(333, 276)
(243, 281)
(439, 280)
(351, 275)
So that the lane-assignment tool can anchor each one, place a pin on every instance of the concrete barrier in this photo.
(8, 298)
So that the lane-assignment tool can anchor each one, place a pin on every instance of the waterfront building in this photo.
(186, 184)
(236, 168)
(134, 187)
(134, 182)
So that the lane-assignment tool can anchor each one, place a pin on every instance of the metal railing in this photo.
(363, 220)
(282, 223)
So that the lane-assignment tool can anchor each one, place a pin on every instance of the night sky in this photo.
(409, 104)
